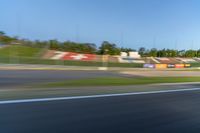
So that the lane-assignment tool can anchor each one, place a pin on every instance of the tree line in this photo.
(91, 48)
(168, 53)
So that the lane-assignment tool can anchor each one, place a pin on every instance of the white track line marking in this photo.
(93, 96)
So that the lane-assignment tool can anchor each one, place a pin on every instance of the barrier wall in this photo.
(161, 62)
(164, 66)
(171, 66)
(179, 66)
(60, 55)
(161, 66)
(187, 65)
(149, 66)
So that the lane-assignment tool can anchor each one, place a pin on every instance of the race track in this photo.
(153, 113)
(15, 78)
(164, 112)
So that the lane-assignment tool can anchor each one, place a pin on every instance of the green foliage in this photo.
(109, 48)
(142, 51)
(78, 47)
(6, 39)
(191, 53)
(54, 44)
(2, 33)
(18, 51)
(127, 50)
(169, 53)
(153, 52)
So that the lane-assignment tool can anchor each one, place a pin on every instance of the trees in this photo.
(153, 52)
(191, 53)
(127, 50)
(87, 48)
(142, 51)
(2, 33)
(198, 53)
(167, 53)
(39, 44)
(6, 39)
(109, 48)
(54, 44)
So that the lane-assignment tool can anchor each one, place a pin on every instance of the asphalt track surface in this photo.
(14, 78)
(157, 113)
(177, 112)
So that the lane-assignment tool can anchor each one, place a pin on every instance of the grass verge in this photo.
(19, 51)
(120, 81)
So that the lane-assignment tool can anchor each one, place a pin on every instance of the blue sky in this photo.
(128, 23)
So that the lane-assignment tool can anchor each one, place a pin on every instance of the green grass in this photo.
(19, 51)
(120, 81)
(195, 64)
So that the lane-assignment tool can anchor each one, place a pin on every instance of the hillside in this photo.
(19, 51)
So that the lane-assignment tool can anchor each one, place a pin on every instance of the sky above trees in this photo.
(128, 23)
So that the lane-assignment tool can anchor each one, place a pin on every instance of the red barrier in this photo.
(179, 66)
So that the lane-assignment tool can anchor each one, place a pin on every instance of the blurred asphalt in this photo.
(177, 112)
(14, 78)
(154, 113)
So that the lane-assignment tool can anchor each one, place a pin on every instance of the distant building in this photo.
(123, 54)
(130, 54)
(131, 57)
(134, 55)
